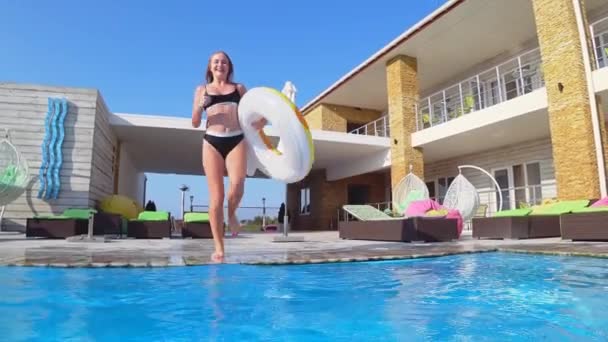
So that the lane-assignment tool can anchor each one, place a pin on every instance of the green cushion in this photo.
(69, 214)
(590, 210)
(153, 216)
(9, 175)
(196, 217)
(414, 195)
(78, 213)
(562, 207)
(514, 212)
(433, 213)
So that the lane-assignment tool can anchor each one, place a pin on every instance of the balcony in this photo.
(599, 31)
(378, 128)
(516, 77)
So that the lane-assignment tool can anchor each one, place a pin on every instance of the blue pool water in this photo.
(480, 297)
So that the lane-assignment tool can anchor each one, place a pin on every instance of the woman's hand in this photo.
(259, 124)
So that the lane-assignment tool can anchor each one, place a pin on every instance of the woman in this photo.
(223, 144)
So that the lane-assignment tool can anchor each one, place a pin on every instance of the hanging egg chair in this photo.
(462, 196)
(14, 172)
(410, 188)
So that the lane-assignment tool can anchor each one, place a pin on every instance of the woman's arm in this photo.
(197, 109)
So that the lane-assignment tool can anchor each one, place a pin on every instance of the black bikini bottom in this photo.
(224, 144)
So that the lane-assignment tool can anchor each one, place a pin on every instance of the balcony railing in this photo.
(515, 77)
(378, 128)
(599, 31)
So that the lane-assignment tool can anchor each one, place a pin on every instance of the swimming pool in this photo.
(488, 296)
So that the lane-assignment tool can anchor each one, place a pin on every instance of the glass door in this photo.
(504, 178)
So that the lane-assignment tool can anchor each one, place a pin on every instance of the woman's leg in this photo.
(213, 164)
(236, 166)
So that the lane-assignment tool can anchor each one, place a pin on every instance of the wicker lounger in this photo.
(587, 225)
(63, 226)
(373, 224)
(150, 225)
(525, 223)
(428, 229)
(196, 226)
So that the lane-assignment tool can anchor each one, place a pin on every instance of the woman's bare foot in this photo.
(217, 257)
(235, 226)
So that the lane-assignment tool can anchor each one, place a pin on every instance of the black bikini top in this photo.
(233, 97)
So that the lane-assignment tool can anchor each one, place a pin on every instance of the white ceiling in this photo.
(170, 145)
(471, 33)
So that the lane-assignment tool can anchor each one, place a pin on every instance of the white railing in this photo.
(599, 32)
(378, 128)
(515, 77)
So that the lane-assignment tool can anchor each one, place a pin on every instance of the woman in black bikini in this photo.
(223, 144)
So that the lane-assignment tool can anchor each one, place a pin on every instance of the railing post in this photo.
(461, 98)
(430, 112)
(479, 91)
(521, 76)
(499, 85)
(384, 126)
(597, 58)
(445, 108)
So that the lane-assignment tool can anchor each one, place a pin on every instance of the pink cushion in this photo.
(419, 208)
(601, 203)
(455, 214)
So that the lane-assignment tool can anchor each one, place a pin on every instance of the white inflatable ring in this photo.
(292, 159)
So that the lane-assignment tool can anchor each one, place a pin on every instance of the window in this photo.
(443, 184)
(520, 185)
(438, 188)
(305, 201)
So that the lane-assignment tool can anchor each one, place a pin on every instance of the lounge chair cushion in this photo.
(153, 216)
(366, 212)
(590, 210)
(196, 217)
(562, 207)
(601, 203)
(436, 212)
(514, 212)
(421, 207)
(69, 214)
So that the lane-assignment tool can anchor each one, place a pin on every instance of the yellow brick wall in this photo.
(569, 109)
(402, 89)
(330, 117)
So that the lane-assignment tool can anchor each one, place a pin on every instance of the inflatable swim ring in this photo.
(293, 157)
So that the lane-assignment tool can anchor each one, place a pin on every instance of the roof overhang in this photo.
(443, 43)
(170, 145)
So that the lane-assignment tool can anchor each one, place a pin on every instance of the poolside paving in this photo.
(259, 249)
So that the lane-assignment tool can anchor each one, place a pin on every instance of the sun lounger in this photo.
(71, 222)
(526, 223)
(585, 224)
(196, 226)
(150, 225)
(373, 224)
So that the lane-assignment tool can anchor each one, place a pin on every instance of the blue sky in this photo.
(147, 57)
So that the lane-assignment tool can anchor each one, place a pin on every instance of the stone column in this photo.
(576, 169)
(402, 89)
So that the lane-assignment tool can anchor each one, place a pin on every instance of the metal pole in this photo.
(285, 216)
(489, 175)
(263, 212)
